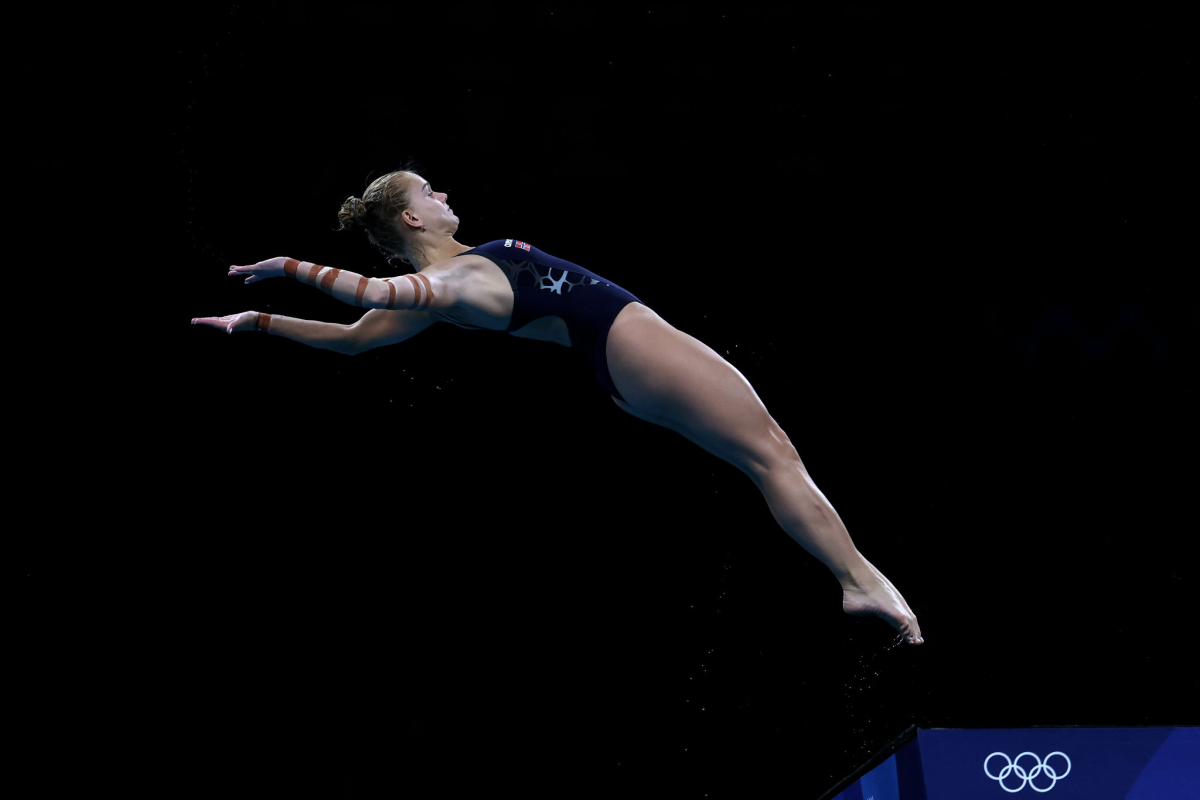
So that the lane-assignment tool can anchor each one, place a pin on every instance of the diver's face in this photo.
(431, 207)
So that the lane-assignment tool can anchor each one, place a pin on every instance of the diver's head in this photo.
(403, 215)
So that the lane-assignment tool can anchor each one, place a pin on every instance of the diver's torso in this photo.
(484, 295)
(484, 299)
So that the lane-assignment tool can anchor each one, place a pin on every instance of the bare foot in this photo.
(869, 592)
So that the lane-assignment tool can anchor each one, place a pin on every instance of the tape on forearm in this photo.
(264, 322)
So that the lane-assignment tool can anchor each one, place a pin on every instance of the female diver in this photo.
(652, 370)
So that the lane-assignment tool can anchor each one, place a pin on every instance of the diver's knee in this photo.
(773, 460)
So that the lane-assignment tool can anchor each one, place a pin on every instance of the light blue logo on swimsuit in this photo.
(556, 285)
(547, 281)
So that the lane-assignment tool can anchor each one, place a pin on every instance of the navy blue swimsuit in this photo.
(544, 285)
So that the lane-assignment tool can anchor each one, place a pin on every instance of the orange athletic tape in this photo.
(428, 289)
(327, 281)
(417, 288)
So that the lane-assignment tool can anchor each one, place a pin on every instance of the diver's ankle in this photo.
(856, 575)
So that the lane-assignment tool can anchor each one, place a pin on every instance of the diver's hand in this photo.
(271, 268)
(245, 321)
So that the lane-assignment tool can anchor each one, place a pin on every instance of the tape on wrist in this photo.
(264, 322)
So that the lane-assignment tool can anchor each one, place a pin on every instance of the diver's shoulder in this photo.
(501, 245)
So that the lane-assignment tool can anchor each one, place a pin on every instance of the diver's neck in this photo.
(432, 253)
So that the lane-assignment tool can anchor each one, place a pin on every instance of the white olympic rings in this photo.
(1013, 765)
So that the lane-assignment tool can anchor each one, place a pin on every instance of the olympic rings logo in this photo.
(1014, 766)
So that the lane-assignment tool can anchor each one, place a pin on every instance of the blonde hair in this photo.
(378, 212)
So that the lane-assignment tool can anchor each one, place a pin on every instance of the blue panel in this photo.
(851, 792)
(1174, 771)
(909, 774)
(880, 783)
(1092, 763)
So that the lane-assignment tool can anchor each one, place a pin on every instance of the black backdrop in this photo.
(954, 254)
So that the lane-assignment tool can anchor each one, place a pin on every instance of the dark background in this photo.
(953, 253)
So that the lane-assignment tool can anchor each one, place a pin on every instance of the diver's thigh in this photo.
(671, 378)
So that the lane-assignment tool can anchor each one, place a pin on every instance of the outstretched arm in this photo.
(416, 291)
(377, 328)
